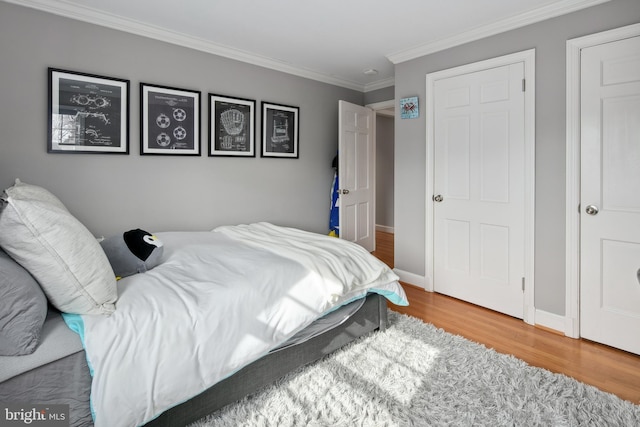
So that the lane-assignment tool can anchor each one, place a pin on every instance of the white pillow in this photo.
(38, 231)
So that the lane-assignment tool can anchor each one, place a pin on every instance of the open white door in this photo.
(356, 174)
(610, 194)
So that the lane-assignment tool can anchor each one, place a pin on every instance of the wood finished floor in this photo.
(609, 369)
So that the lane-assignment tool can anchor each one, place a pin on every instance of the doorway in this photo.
(385, 125)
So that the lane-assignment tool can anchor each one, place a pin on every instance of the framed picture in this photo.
(409, 108)
(169, 120)
(231, 126)
(279, 130)
(87, 113)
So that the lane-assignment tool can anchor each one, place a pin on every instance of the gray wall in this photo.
(549, 39)
(384, 170)
(113, 193)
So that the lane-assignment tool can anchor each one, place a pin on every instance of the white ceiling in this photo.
(330, 40)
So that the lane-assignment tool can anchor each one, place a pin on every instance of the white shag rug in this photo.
(414, 374)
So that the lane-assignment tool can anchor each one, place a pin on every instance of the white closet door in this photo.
(479, 188)
(610, 194)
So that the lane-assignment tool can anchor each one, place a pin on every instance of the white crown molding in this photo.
(547, 12)
(379, 84)
(92, 16)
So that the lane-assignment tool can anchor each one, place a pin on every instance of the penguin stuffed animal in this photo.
(135, 251)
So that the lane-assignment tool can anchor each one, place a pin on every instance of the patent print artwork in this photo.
(280, 130)
(170, 120)
(231, 126)
(87, 113)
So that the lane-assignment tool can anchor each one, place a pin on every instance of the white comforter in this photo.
(217, 302)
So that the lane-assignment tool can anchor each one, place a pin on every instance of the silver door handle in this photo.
(438, 198)
(344, 191)
(592, 210)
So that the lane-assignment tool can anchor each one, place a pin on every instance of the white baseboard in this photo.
(384, 228)
(550, 321)
(545, 319)
(411, 278)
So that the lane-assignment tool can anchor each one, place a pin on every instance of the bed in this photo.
(224, 313)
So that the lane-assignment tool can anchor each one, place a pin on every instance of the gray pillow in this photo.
(23, 308)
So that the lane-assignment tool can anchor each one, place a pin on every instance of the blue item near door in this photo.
(334, 219)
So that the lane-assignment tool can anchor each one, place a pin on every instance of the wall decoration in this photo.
(87, 113)
(409, 108)
(169, 120)
(231, 126)
(280, 130)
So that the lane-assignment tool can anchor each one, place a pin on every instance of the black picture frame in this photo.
(87, 113)
(231, 126)
(169, 121)
(280, 130)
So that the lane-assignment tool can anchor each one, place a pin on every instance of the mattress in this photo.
(57, 341)
(323, 324)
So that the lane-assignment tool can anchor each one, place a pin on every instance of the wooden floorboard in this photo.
(607, 368)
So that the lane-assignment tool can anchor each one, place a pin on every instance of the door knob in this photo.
(344, 191)
(437, 198)
(591, 210)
